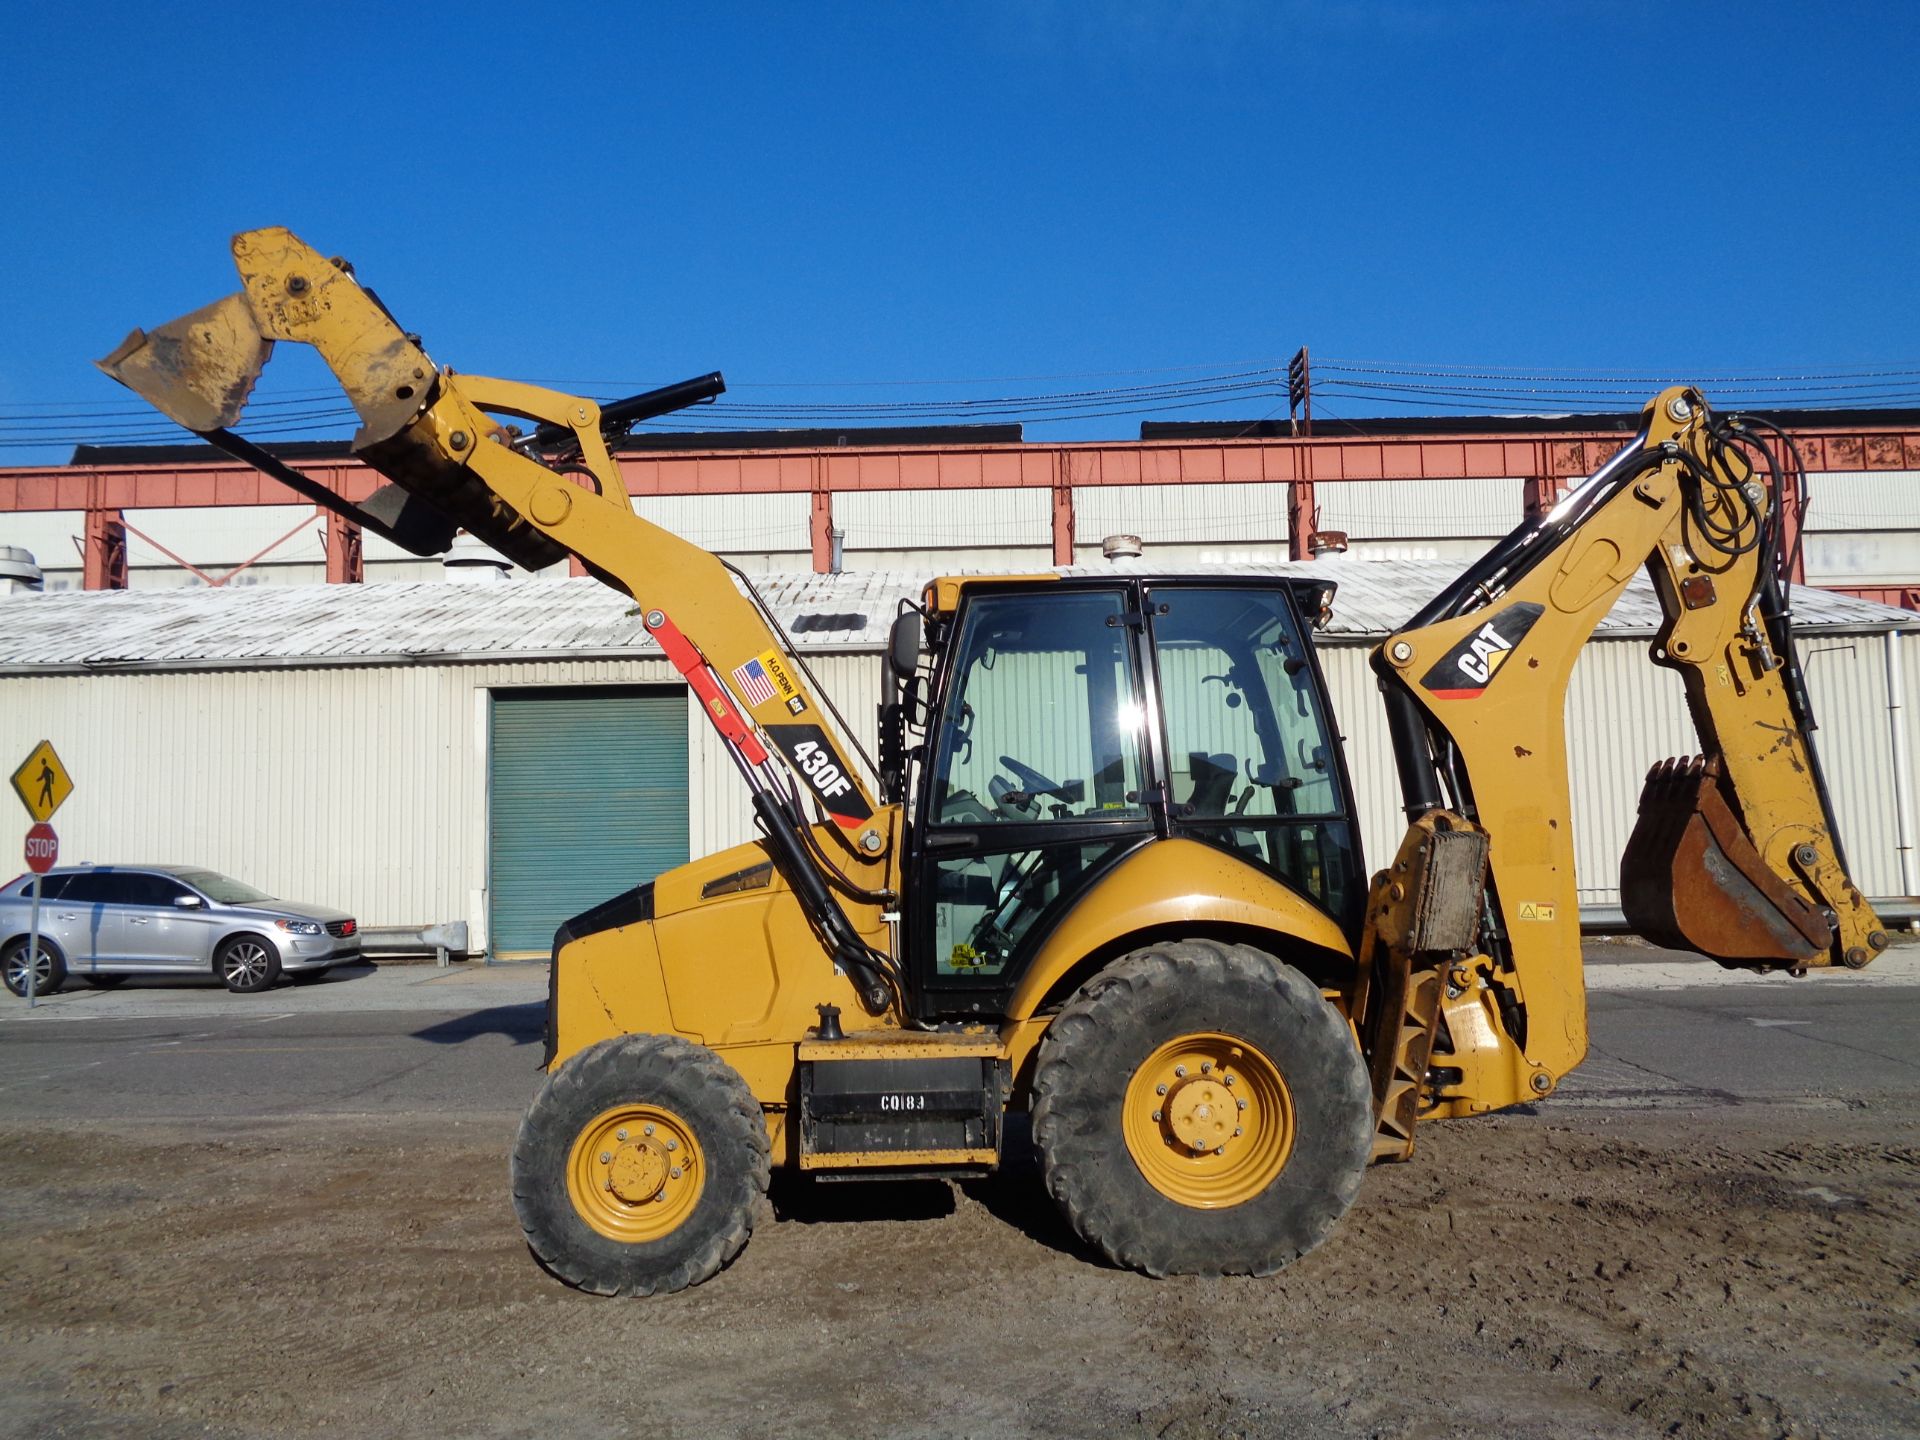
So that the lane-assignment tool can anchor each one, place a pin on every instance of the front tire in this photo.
(639, 1166)
(247, 964)
(1255, 1115)
(51, 964)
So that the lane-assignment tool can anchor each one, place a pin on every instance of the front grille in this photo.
(339, 929)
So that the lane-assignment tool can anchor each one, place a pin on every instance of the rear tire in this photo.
(601, 1179)
(247, 964)
(1150, 1191)
(52, 967)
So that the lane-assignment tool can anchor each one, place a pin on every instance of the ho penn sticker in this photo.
(1469, 667)
(813, 755)
(764, 679)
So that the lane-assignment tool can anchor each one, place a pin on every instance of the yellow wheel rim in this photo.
(635, 1173)
(1209, 1121)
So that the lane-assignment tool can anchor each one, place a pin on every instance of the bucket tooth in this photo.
(1691, 878)
(197, 370)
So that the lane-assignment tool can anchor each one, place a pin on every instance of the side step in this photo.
(900, 1104)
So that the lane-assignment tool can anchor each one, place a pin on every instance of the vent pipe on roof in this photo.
(1121, 547)
(469, 560)
(19, 575)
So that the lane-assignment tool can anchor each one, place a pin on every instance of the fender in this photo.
(1170, 883)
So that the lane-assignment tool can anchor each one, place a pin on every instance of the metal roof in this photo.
(436, 621)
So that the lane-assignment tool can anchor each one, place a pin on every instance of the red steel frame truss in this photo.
(1546, 463)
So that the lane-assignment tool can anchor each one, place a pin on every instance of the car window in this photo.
(51, 887)
(152, 890)
(97, 888)
(223, 888)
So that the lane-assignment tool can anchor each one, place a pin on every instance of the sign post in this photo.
(43, 785)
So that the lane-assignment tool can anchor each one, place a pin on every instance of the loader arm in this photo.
(452, 465)
(1736, 853)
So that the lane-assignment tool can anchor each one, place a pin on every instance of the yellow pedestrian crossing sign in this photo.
(42, 782)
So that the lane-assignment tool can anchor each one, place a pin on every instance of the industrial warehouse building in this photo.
(509, 753)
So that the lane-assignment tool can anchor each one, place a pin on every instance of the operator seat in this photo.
(1213, 777)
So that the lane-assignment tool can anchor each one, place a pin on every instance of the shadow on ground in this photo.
(523, 1024)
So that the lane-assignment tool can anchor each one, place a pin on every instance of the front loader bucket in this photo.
(198, 370)
(1691, 878)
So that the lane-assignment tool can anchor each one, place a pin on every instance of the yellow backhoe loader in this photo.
(1106, 869)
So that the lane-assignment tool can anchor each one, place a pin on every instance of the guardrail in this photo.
(441, 941)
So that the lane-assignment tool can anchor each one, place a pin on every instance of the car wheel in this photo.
(309, 977)
(105, 982)
(51, 965)
(247, 964)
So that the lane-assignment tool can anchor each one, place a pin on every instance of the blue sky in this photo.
(814, 195)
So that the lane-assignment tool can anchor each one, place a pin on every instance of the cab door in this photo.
(1038, 780)
(1252, 763)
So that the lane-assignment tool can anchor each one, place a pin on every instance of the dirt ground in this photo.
(1749, 1271)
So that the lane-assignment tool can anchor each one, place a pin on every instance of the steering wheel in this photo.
(1031, 779)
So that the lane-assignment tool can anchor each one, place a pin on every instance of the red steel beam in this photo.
(956, 467)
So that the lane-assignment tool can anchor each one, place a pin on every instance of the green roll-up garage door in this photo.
(587, 797)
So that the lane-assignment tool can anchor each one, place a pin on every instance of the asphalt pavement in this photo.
(465, 1040)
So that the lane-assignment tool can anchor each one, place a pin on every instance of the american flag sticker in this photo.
(754, 682)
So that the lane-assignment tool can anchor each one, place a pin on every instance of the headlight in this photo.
(301, 927)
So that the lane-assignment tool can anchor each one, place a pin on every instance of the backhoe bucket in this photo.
(198, 370)
(1691, 878)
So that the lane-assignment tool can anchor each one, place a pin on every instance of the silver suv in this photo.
(103, 923)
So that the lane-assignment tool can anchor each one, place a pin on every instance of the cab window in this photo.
(1043, 719)
(1250, 757)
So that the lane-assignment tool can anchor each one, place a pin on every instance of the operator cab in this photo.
(1068, 721)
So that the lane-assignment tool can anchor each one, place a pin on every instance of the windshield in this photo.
(223, 888)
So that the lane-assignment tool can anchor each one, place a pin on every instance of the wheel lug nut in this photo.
(606, 1157)
(1237, 1132)
(1159, 1089)
(1156, 1115)
(1241, 1104)
(1180, 1071)
(673, 1174)
(1221, 1151)
(1206, 1067)
(673, 1144)
(619, 1134)
(1225, 1079)
(648, 1130)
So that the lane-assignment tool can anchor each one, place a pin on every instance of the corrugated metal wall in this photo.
(366, 787)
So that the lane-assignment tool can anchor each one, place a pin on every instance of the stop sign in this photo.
(43, 849)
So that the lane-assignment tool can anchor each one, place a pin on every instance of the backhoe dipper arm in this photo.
(1736, 853)
(453, 466)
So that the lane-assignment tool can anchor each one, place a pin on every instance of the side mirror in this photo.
(903, 644)
(188, 902)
